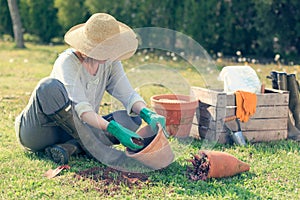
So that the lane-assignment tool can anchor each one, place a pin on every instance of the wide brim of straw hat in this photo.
(117, 47)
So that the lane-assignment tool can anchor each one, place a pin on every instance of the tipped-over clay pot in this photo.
(158, 154)
(223, 164)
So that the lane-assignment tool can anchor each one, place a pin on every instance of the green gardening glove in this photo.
(152, 119)
(124, 135)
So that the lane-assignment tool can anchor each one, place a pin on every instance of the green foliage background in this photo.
(259, 28)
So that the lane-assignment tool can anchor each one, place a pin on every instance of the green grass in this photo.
(274, 172)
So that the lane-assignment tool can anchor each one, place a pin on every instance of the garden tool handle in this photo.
(228, 130)
(238, 123)
(229, 118)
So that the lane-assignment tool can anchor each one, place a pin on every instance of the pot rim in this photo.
(187, 98)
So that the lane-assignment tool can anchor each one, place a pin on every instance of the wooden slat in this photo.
(251, 136)
(213, 136)
(194, 131)
(221, 99)
(211, 97)
(261, 112)
(265, 136)
(251, 125)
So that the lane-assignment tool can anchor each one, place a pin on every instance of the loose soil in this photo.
(172, 101)
(200, 168)
(108, 181)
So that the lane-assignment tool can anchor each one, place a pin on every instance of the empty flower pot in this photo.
(179, 111)
(158, 153)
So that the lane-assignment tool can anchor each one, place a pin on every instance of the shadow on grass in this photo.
(175, 178)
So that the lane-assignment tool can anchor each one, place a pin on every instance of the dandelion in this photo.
(181, 54)
(139, 53)
(174, 58)
(160, 58)
(11, 60)
(277, 57)
(25, 60)
(219, 54)
(238, 53)
(168, 53)
(258, 70)
(275, 39)
(147, 57)
(172, 54)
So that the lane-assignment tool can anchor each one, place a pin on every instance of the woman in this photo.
(63, 109)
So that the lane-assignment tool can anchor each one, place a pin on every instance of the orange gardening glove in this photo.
(240, 113)
(249, 103)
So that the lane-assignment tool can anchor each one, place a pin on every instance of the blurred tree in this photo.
(278, 27)
(40, 18)
(5, 19)
(238, 31)
(254, 27)
(286, 13)
(122, 10)
(199, 22)
(16, 21)
(70, 13)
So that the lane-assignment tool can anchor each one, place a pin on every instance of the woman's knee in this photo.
(52, 95)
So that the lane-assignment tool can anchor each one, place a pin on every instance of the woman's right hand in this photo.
(125, 136)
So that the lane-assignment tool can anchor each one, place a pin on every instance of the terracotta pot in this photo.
(158, 153)
(179, 111)
(223, 164)
(216, 164)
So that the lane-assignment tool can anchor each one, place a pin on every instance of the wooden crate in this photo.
(267, 124)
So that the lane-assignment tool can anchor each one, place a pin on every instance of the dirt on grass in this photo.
(108, 181)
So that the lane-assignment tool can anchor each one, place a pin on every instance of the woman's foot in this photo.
(60, 153)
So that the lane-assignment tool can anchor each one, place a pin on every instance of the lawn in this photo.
(274, 172)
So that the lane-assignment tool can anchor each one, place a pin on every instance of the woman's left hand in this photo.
(152, 118)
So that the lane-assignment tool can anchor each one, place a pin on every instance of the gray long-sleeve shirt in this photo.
(87, 90)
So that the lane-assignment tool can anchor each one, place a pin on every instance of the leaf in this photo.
(51, 173)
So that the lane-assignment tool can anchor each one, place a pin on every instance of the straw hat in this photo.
(102, 37)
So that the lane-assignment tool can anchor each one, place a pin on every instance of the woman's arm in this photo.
(94, 120)
(138, 106)
(119, 87)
